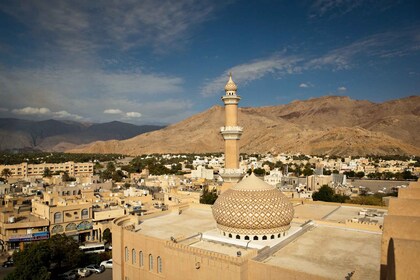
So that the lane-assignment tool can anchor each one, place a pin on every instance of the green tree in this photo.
(208, 197)
(35, 261)
(325, 193)
(47, 172)
(6, 173)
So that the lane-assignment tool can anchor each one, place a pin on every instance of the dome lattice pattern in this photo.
(253, 207)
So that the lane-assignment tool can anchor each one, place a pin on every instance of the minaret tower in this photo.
(231, 133)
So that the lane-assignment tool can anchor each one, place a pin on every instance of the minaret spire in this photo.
(231, 133)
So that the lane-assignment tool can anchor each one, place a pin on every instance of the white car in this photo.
(107, 264)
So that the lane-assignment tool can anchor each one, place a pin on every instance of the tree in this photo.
(107, 236)
(47, 172)
(6, 173)
(325, 193)
(35, 261)
(208, 197)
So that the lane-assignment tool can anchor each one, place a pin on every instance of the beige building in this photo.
(70, 215)
(231, 133)
(252, 232)
(25, 170)
(401, 238)
(17, 228)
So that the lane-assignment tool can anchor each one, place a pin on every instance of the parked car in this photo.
(83, 272)
(8, 263)
(107, 264)
(94, 268)
(69, 275)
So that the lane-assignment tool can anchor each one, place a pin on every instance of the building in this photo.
(231, 133)
(26, 170)
(202, 173)
(252, 232)
(401, 238)
(70, 215)
(17, 228)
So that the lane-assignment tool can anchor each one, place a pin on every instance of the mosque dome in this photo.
(253, 208)
(230, 85)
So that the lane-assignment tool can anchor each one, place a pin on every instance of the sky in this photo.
(158, 62)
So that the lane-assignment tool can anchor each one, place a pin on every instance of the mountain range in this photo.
(333, 125)
(55, 135)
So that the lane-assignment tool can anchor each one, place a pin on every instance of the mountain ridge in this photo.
(326, 125)
(56, 135)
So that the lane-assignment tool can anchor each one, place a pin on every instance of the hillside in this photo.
(53, 135)
(326, 125)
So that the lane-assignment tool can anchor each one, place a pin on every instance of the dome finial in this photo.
(230, 85)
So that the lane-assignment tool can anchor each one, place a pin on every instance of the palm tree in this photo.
(6, 173)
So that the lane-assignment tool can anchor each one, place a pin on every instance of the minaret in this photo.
(231, 133)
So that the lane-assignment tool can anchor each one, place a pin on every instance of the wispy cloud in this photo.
(342, 89)
(322, 7)
(32, 111)
(375, 47)
(82, 26)
(245, 73)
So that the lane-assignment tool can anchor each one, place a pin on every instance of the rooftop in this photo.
(332, 253)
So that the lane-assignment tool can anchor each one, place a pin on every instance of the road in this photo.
(106, 275)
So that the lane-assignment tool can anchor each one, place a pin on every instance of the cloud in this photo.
(66, 115)
(305, 85)
(32, 111)
(245, 73)
(133, 115)
(46, 112)
(336, 7)
(342, 88)
(382, 45)
(84, 26)
(4, 109)
(113, 111)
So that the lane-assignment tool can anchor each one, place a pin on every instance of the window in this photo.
(126, 254)
(150, 262)
(85, 214)
(57, 217)
(141, 261)
(246, 237)
(159, 264)
(133, 256)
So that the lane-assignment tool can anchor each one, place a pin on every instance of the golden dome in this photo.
(230, 85)
(253, 207)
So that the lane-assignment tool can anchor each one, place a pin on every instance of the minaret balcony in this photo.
(231, 132)
(231, 99)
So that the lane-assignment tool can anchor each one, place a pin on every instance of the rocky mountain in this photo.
(54, 135)
(327, 125)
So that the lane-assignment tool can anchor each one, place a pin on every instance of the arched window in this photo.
(57, 229)
(133, 256)
(57, 217)
(141, 260)
(238, 237)
(150, 262)
(230, 235)
(272, 236)
(85, 214)
(255, 237)
(246, 237)
(71, 227)
(264, 237)
(159, 264)
(126, 254)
